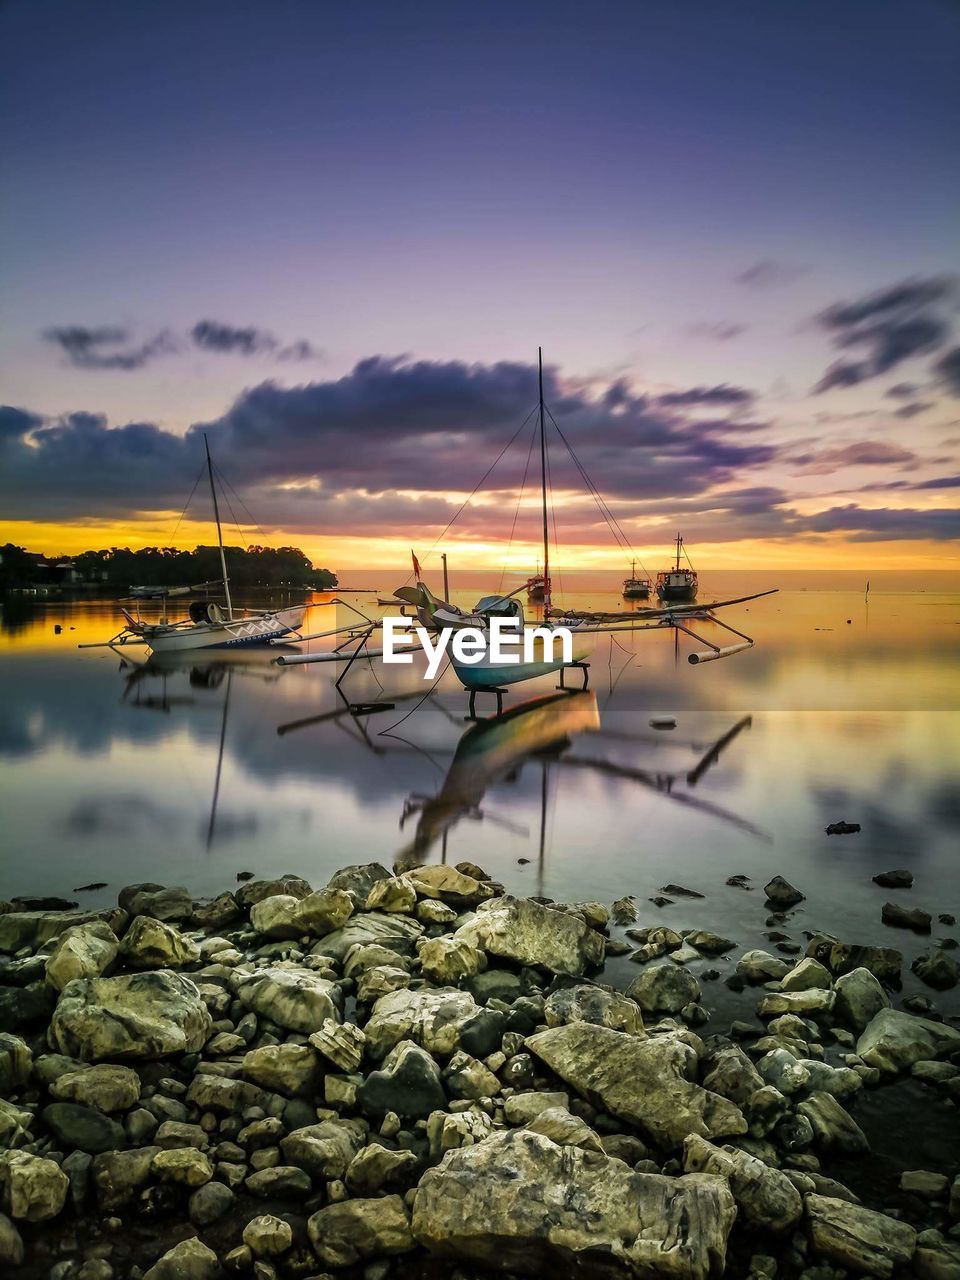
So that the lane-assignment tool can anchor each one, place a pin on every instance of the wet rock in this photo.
(624, 910)
(152, 944)
(11, 1244)
(642, 1081)
(448, 885)
(807, 974)
(294, 998)
(664, 988)
(893, 1041)
(527, 933)
(709, 944)
(268, 1236)
(376, 1169)
(866, 1242)
(860, 998)
(678, 891)
(210, 1202)
(83, 1128)
(34, 1188)
(32, 929)
(593, 1004)
(16, 1062)
(894, 879)
(520, 1202)
(105, 1086)
(156, 900)
(358, 880)
(923, 1183)
(842, 957)
(842, 828)
(218, 913)
(813, 1001)
(183, 1165)
(936, 969)
(189, 1260)
(936, 1257)
(279, 1182)
(352, 1232)
(781, 893)
(760, 966)
(905, 917)
(276, 917)
(834, 1129)
(84, 951)
(739, 882)
(249, 894)
(323, 1150)
(120, 1175)
(766, 1197)
(729, 1072)
(447, 961)
(324, 911)
(142, 1015)
(341, 1043)
(394, 932)
(409, 1083)
(440, 1021)
(290, 1069)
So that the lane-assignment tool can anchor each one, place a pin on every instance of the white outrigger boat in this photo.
(209, 625)
(485, 674)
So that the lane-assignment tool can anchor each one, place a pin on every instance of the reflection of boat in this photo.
(492, 750)
(635, 588)
(680, 582)
(209, 625)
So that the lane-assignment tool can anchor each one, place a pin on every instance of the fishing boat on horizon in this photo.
(635, 588)
(679, 583)
(209, 625)
(538, 587)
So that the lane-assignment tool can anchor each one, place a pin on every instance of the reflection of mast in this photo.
(544, 793)
(216, 786)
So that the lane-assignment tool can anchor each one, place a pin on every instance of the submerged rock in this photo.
(518, 1201)
(664, 988)
(906, 917)
(141, 1015)
(894, 879)
(782, 893)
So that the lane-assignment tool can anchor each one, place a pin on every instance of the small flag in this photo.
(416, 564)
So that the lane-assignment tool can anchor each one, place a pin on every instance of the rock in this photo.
(279, 1182)
(119, 1175)
(447, 961)
(154, 900)
(440, 1021)
(218, 913)
(25, 1007)
(527, 933)
(936, 1258)
(14, 1126)
(210, 1202)
(297, 999)
(380, 981)
(32, 929)
(431, 911)
(568, 1212)
(894, 879)
(394, 895)
(923, 1183)
(780, 1068)
(223, 1094)
(864, 1241)
(184, 1165)
(324, 911)
(905, 917)
(267, 1236)
(624, 910)
(34, 1188)
(16, 1062)
(11, 1245)
(465, 1077)
(398, 933)
(585, 1003)
(276, 916)
(290, 1069)
(376, 1168)
(83, 951)
(521, 1108)
(358, 880)
(834, 1129)
(566, 1130)
(341, 1043)
(779, 1002)
(409, 1083)
(452, 1132)
(449, 885)
(151, 944)
(355, 1230)
(664, 988)
(766, 1197)
(860, 998)
(842, 828)
(730, 1073)
(254, 891)
(678, 891)
(323, 1150)
(709, 944)
(893, 1040)
(107, 1087)
(142, 1015)
(188, 1260)
(807, 974)
(642, 1081)
(83, 1128)
(782, 893)
(936, 969)
(842, 957)
(761, 966)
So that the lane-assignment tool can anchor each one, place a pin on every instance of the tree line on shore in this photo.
(120, 567)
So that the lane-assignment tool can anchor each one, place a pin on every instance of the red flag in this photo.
(416, 564)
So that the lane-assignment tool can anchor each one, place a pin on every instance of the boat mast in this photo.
(543, 493)
(216, 516)
(679, 545)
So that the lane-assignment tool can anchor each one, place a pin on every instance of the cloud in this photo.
(723, 394)
(947, 369)
(17, 422)
(227, 339)
(107, 347)
(902, 391)
(769, 273)
(859, 453)
(716, 330)
(887, 327)
(885, 524)
(911, 410)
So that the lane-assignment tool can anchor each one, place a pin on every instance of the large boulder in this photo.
(33, 928)
(585, 1003)
(140, 1015)
(408, 1084)
(82, 951)
(83, 1128)
(518, 1201)
(527, 933)
(106, 1086)
(440, 1021)
(646, 1082)
(860, 997)
(355, 1230)
(664, 988)
(34, 1188)
(276, 916)
(447, 884)
(151, 944)
(765, 1196)
(857, 1238)
(894, 1040)
(297, 999)
(842, 957)
(397, 933)
(324, 911)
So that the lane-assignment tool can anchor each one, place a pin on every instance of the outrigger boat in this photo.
(679, 583)
(209, 625)
(494, 677)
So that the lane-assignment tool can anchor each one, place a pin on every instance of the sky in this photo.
(333, 238)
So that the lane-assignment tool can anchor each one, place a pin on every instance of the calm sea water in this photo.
(192, 770)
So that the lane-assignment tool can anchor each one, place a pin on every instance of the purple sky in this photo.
(204, 198)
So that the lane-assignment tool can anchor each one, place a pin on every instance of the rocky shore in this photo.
(419, 1075)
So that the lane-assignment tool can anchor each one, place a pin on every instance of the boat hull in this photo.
(241, 633)
(679, 593)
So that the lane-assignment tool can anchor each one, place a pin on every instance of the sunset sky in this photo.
(333, 236)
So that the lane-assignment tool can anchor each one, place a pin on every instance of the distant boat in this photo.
(635, 588)
(680, 582)
(538, 588)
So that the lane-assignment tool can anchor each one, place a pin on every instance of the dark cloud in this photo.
(769, 273)
(723, 394)
(947, 369)
(888, 327)
(716, 330)
(885, 524)
(228, 339)
(902, 391)
(911, 410)
(859, 453)
(107, 347)
(17, 422)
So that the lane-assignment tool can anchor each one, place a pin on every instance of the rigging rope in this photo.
(516, 514)
(189, 500)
